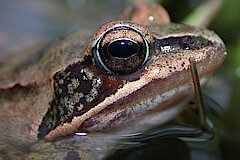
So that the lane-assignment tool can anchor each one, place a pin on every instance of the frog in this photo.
(131, 75)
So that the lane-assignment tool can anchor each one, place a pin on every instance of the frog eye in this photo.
(122, 49)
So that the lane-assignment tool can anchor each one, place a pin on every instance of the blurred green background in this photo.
(31, 23)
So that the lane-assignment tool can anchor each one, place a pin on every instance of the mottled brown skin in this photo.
(142, 13)
(62, 90)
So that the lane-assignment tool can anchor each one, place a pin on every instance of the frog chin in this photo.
(144, 115)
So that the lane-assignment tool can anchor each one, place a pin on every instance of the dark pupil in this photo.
(123, 48)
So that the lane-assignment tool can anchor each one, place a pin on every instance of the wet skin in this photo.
(127, 77)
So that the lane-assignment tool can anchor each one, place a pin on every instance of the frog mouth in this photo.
(147, 113)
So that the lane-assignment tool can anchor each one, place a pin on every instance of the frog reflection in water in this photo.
(131, 76)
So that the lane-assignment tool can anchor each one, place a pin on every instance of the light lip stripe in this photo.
(69, 128)
(153, 72)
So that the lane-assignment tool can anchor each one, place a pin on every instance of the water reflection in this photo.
(175, 140)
